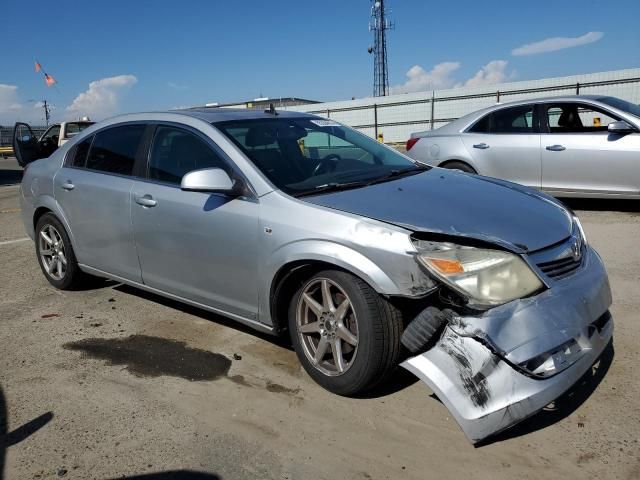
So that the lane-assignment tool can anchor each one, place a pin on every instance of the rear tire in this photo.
(363, 327)
(460, 166)
(55, 254)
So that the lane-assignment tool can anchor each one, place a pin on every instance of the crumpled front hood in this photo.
(458, 204)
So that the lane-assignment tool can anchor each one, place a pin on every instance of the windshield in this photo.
(306, 155)
(623, 105)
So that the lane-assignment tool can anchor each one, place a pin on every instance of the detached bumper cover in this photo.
(477, 378)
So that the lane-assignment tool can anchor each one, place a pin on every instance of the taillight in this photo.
(411, 142)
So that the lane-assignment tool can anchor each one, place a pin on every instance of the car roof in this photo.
(217, 114)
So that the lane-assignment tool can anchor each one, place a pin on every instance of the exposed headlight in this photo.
(578, 225)
(486, 277)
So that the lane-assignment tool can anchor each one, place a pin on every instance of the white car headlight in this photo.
(486, 277)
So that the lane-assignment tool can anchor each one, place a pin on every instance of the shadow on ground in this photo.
(602, 205)
(173, 475)
(563, 406)
(8, 439)
(10, 177)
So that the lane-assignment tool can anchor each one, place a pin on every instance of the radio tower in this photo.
(379, 25)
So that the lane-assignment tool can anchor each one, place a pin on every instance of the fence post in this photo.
(433, 106)
(328, 113)
(498, 96)
(577, 88)
(375, 119)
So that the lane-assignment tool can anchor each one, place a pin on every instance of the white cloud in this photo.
(442, 76)
(102, 99)
(557, 43)
(493, 72)
(419, 80)
(9, 98)
(10, 107)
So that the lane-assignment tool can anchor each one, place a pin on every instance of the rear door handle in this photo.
(481, 146)
(68, 185)
(556, 148)
(145, 200)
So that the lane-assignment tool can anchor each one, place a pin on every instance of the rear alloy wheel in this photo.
(52, 252)
(346, 336)
(55, 254)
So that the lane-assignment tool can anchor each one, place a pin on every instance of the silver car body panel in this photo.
(589, 165)
(223, 254)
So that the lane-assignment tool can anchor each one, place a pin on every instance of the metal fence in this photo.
(6, 134)
(395, 117)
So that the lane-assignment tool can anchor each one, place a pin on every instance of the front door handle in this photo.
(68, 185)
(481, 146)
(145, 200)
(556, 148)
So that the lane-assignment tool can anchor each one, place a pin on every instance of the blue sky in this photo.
(143, 55)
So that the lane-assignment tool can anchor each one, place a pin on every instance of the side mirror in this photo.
(210, 180)
(620, 127)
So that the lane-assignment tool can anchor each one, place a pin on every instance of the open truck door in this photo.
(25, 144)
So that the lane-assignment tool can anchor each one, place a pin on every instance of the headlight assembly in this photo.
(485, 277)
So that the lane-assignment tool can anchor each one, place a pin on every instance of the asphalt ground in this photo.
(112, 382)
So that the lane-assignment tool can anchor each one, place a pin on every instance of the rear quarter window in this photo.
(78, 156)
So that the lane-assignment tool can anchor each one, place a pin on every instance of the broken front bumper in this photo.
(474, 368)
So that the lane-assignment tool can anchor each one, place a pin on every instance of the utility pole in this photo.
(47, 112)
(379, 24)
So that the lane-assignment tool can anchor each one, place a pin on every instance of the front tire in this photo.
(346, 336)
(55, 254)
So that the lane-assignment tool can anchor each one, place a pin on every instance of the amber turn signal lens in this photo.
(446, 267)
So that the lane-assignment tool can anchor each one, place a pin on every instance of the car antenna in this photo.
(272, 110)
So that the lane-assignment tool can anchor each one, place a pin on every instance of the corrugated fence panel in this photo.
(400, 115)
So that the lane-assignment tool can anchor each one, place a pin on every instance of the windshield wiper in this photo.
(330, 187)
(392, 174)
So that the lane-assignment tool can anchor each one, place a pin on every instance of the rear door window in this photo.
(508, 120)
(513, 120)
(176, 152)
(114, 149)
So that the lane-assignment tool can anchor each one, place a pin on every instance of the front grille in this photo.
(561, 267)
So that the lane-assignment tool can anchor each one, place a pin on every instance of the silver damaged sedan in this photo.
(487, 291)
(576, 146)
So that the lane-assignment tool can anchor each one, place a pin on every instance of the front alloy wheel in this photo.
(346, 336)
(327, 326)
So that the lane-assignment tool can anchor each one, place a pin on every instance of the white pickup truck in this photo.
(27, 147)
